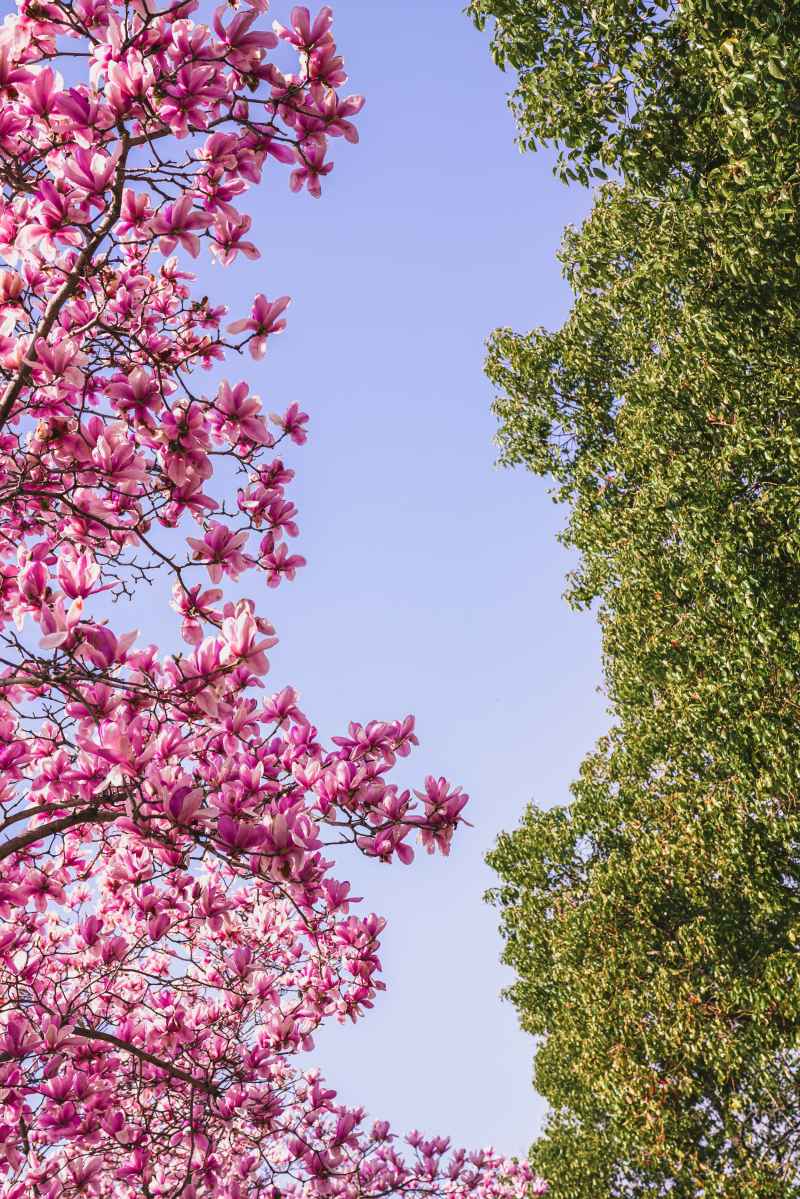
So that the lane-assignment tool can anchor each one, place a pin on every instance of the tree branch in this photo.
(70, 285)
(87, 816)
(143, 1055)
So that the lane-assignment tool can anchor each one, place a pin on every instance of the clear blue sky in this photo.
(434, 580)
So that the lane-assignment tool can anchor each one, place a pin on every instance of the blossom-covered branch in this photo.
(171, 934)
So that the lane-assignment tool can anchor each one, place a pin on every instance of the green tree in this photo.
(654, 924)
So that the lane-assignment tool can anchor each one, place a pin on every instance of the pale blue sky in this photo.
(434, 580)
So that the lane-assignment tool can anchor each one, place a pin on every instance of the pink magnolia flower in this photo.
(244, 46)
(303, 32)
(264, 321)
(41, 92)
(43, 888)
(186, 102)
(326, 66)
(293, 422)
(92, 174)
(237, 837)
(130, 78)
(137, 395)
(54, 220)
(103, 647)
(240, 414)
(195, 606)
(12, 73)
(240, 635)
(62, 360)
(333, 115)
(136, 213)
(33, 581)
(78, 573)
(228, 233)
(442, 808)
(221, 551)
(185, 804)
(86, 1175)
(177, 224)
(86, 114)
(312, 169)
(59, 625)
(278, 562)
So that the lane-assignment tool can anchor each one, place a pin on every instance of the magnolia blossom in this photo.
(262, 323)
(172, 933)
(178, 224)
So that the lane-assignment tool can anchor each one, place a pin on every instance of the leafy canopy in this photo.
(654, 923)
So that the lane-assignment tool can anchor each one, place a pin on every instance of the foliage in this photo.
(654, 924)
(171, 934)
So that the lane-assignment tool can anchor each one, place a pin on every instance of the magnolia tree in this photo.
(171, 935)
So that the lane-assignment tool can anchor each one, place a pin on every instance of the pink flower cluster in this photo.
(171, 933)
